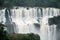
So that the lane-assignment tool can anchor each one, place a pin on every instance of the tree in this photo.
(30, 3)
(3, 33)
(56, 21)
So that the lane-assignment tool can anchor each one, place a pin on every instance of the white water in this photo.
(22, 20)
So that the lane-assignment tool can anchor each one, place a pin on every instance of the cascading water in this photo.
(30, 20)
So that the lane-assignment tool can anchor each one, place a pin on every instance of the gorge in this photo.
(23, 20)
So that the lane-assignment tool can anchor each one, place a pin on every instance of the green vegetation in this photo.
(56, 21)
(58, 3)
(30, 3)
(24, 37)
(3, 33)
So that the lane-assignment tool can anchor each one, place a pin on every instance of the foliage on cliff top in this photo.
(30, 3)
(56, 21)
(24, 37)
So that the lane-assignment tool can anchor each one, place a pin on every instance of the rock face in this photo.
(30, 20)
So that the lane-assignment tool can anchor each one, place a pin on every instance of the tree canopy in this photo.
(30, 3)
(3, 33)
(56, 21)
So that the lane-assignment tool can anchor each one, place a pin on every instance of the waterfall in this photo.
(2, 15)
(30, 20)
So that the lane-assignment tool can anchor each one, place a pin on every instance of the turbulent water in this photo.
(30, 20)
